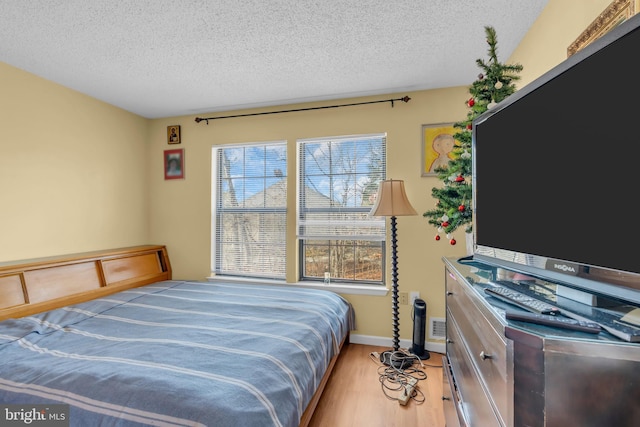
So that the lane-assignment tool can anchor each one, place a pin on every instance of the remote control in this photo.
(521, 300)
(558, 322)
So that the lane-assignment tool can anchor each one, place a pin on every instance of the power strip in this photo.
(408, 391)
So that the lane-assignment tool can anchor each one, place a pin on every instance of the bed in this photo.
(114, 337)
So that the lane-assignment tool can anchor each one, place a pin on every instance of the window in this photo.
(338, 181)
(249, 210)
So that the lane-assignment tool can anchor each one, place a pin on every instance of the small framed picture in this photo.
(174, 164)
(437, 143)
(173, 134)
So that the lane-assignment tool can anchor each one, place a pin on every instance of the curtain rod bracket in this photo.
(404, 99)
(206, 119)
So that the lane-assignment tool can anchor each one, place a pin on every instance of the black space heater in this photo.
(419, 328)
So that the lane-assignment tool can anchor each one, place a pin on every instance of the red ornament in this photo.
(452, 241)
(445, 224)
(471, 102)
(461, 208)
(459, 178)
(437, 237)
(469, 126)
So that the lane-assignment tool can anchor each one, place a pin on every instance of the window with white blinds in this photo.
(249, 209)
(338, 181)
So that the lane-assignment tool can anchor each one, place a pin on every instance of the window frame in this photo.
(300, 211)
(217, 210)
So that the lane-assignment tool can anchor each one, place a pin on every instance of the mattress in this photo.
(177, 353)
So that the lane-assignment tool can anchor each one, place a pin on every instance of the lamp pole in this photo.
(394, 278)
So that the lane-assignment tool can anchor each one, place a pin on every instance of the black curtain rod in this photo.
(404, 99)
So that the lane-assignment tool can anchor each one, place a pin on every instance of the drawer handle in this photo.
(449, 341)
(449, 293)
(446, 398)
(484, 356)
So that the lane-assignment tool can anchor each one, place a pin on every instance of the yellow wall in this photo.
(81, 175)
(73, 175)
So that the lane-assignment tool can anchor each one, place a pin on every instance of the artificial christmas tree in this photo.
(453, 208)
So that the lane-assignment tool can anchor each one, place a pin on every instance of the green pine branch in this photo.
(454, 199)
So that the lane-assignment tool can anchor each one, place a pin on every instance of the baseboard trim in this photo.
(435, 347)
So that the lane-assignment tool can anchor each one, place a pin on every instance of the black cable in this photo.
(394, 380)
(465, 259)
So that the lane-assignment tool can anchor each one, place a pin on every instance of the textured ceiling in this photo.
(162, 58)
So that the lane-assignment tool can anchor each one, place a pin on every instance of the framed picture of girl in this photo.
(437, 143)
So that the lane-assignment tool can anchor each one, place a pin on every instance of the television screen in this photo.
(557, 170)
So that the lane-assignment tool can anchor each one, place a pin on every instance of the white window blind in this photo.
(249, 210)
(338, 181)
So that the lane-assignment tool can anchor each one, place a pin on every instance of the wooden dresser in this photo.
(499, 372)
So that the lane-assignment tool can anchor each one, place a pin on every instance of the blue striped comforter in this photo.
(177, 353)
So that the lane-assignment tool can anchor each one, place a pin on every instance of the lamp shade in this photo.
(392, 200)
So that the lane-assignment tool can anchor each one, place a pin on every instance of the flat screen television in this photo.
(556, 172)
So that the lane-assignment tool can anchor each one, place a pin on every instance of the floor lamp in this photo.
(392, 202)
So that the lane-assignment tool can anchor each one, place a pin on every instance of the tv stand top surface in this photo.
(609, 314)
(615, 316)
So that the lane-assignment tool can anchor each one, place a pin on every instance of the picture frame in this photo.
(615, 14)
(437, 143)
(174, 164)
(173, 134)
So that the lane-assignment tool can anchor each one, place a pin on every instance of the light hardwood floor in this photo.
(354, 397)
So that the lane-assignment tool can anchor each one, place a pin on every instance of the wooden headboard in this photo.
(28, 287)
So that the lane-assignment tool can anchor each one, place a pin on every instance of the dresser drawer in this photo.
(486, 347)
(451, 404)
(474, 403)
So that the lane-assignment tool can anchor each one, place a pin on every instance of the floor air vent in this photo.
(437, 328)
